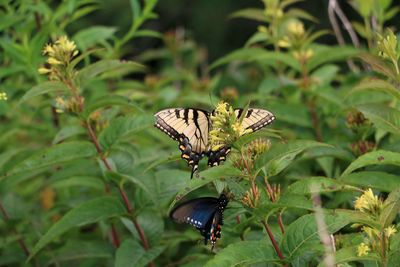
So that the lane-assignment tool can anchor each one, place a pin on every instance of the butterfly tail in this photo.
(215, 157)
(194, 169)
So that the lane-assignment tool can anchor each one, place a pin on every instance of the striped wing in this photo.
(255, 118)
(190, 128)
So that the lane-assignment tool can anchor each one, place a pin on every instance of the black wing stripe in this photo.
(249, 113)
(186, 116)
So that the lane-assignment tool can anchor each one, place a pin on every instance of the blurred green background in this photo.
(206, 21)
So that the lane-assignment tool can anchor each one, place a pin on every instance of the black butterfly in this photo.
(190, 127)
(205, 213)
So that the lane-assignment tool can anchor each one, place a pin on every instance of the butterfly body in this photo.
(206, 214)
(191, 127)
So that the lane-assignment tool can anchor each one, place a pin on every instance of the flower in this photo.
(53, 61)
(227, 128)
(44, 70)
(262, 29)
(295, 28)
(60, 55)
(388, 48)
(368, 202)
(390, 230)
(3, 96)
(303, 55)
(362, 250)
(387, 45)
(371, 232)
(284, 42)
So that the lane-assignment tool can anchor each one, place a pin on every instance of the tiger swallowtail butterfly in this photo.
(191, 127)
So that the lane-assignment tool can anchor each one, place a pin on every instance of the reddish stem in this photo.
(280, 222)
(273, 241)
(122, 192)
(238, 222)
(21, 241)
(114, 236)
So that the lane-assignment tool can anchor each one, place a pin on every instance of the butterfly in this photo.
(205, 213)
(191, 127)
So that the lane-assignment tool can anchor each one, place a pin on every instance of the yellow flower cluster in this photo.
(368, 202)
(363, 249)
(303, 55)
(295, 28)
(388, 45)
(3, 96)
(388, 48)
(60, 55)
(390, 230)
(227, 128)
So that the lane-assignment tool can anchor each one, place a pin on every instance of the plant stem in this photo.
(21, 240)
(273, 241)
(315, 120)
(122, 192)
(280, 222)
(238, 222)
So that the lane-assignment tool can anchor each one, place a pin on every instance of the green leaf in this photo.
(376, 85)
(293, 113)
(132, 254)
(115, 176)
(109, 101)
(106, 65)
(379, 65)
(323, 184)
(250, 13)
(88, 37)
(148, 33)
(80, 250)
(43, 88)
(78, 181)
(327, 54)
(55, 155)
(67, 132)
(303, 232)
(391, 208)
(349, 254)
(205, 177)
(136, 9)
(257, 54)
(281, 156)
(88, 212)
(384, 117)
(379, 180)
(379, 157)
(123, 126)
(244, 253)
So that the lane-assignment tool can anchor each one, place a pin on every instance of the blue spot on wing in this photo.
(196, 212)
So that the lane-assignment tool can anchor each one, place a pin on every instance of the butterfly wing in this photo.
(215, 230)
(254, 119)
(206, 214)
(197, 212)
(190, 128)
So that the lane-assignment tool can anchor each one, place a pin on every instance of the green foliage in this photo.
(86, 180)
